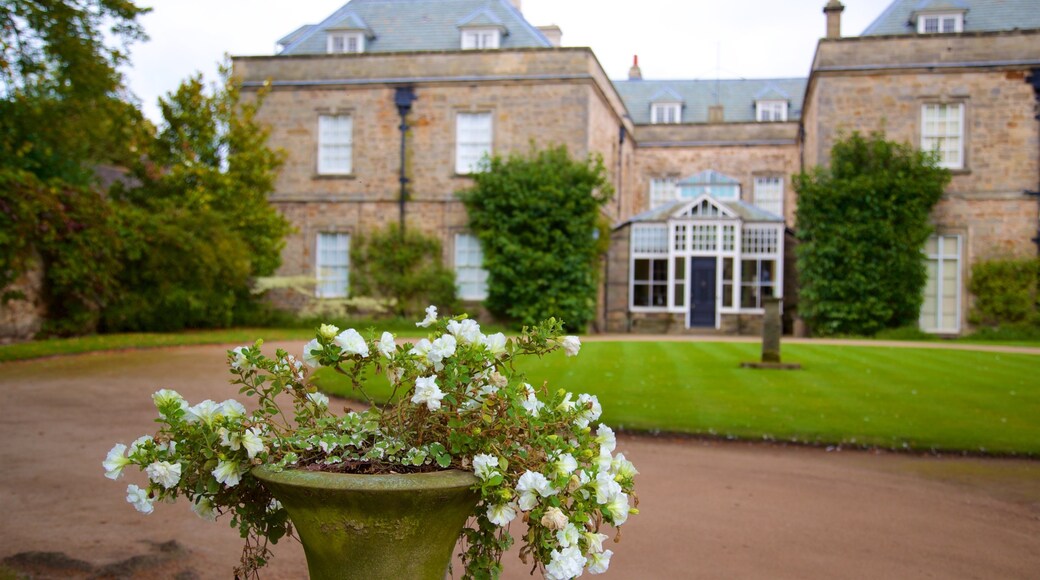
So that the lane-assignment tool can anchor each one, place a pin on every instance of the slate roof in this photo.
(737, 97)
(980, 15)
(743, 210)
(417, 25)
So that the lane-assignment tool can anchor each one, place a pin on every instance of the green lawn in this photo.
(863, 396)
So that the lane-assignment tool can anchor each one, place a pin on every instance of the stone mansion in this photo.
(704, 209)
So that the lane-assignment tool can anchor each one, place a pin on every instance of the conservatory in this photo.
(702, 262)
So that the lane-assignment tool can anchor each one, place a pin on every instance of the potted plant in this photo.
(461, 417)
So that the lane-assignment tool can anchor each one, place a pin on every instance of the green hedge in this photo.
(1005, 292)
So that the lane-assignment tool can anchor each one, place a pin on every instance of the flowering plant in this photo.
(458, 401)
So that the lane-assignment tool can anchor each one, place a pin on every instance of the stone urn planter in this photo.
(375, 526)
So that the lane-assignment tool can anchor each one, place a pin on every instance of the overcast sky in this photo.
(675, 39)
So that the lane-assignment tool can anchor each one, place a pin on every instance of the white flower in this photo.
(139, 498)
(466, 331)
(207, 411)
(483, 466)
(617, 507)
(530, 485)
(599, 562)
(605, 438)
(622, 467)
(606, 488)
(227, 472)
(571, 345)
(351, 342)
(230, 439)
(591, 410)
(531, 403)
(252, 442)
(386, 345)
(496, 344)
(566, 464)
(240, 361)
(138, 444)
(554, 519)
(427, 391)
(441, 349)
(431, 317)
(501, 514)
(167, 399)
(203, 507)
(566, 404)
(309, 358)
(115, 462)
(595, 541)
(565, 564)
(318, 399)
(568, 536)
(232, 409)
(421, 350)
(328, 331)
(164, 473)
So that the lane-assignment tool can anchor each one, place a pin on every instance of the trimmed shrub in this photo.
(1005, 292)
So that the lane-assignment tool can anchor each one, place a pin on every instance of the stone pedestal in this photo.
(771, 331)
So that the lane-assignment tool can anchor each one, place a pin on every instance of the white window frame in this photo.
(769, 193)
(943, 259)
(470, 275)
(474, 136)
(335, 144)
(481, 38)
(663, 190)
(328, 274)
(942, 21)
(934, 138)
(344, 39)
(770, 111)
(666, 113)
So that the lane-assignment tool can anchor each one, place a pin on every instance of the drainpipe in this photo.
(403, 99)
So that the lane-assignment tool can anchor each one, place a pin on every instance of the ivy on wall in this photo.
(539, 222)
(861, 224)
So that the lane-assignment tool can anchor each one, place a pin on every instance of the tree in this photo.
(197, 221)
(538, 220)
(861, 224)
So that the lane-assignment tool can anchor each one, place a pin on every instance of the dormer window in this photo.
(345, 42)
(770, 111)
(940, 23)
(665, 113)
(481, 38)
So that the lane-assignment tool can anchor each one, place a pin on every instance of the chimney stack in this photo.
(516, 4)
(553, 34)
(833, 10)
(634, 74)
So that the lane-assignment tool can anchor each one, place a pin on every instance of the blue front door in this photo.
(702, 292)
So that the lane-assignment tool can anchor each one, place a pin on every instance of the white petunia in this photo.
(239, 361)
(386, 345)
(328, 331)
(427, 391)
(531, 404)
(622, 467)
(501, 514)
(495, 343)
(531, 485)
(566, 464)
(351, 342)
(230, 439)
(566, 404)
(431, 317)
(227, 472)
(568, 536)
(599, 562)
(309, 357)
(164, 473)
(115, 462)
(167, 400)
(571, 345)
(138, 444)
(606, 439)
(207, 411)
(252, 442)
(203, 507)
(232, 409)
(554, 519)
(617, 507)
(421, 350)
(591, 410)
(595, 541)
(483, 466)
(319, 400)
(466, 331)
(440, 349)
(139, 498)
(565, 564)
(606, 488)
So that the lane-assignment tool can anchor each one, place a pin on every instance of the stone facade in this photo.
(21, 318)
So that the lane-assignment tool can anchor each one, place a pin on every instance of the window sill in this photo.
(465, 175)
(961, 171)
(333, 176)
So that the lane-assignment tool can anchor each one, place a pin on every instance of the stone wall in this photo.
(22, 318)
(617, 277)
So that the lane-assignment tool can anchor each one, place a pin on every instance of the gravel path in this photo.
(708, 510)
